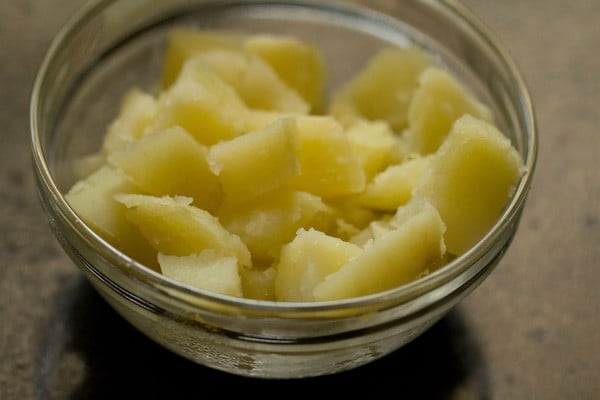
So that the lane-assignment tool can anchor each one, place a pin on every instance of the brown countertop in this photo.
(532, 330)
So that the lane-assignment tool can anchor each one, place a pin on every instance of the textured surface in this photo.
(530, 331)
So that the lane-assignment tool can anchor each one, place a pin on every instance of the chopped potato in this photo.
(203, 104)
(257, 162)
(393, 187)
(258, 283)
(234, 179)
(171, 163)
(184, 44)
(174, 227)
(383, 89)
(206, 270)
(375, 145)
(269, 221)
(93, 200)
(299, 64)
(137, 113)
(439, 95)
(257, 84)
(392, 259)
(307, 260)
(328, 165)
(470, 181)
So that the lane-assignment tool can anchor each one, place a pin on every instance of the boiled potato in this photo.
(256, 83)
(328, 165)
(306, 261)
(183, 44)
(234, 179)
(351, 217)
(93, 200)
(383, 89)
(206, 270)
(472, 177)
(299, 64)
(256, 162)
(393, 187)
(136, 115)
(438, 101)
(272, 219)
(373, 231)
(375, 145)
(203, 104)
(172, 163)
(174, 227)
(258, 283)
(394, 258)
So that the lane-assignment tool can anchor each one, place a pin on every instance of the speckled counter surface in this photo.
(531, 331)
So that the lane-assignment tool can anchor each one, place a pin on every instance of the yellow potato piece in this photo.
(393, 187)
(374, 143)
(373, 231)
(171, 163)
(256, 162)
(233, 180)
(183, 44)
(350, 217)
(391, 260)
(272, 219)
(201, 103)
(299, 64)
(471, 179)
(92, 199)
(254, 81)
(136, 115)
(84, 166)
(328, 165)
(306, 261)
(383, 89)
(437, 103)
(206, 270)
(174, 227)
(258, 283)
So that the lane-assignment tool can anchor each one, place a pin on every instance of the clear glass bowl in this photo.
(109, 46)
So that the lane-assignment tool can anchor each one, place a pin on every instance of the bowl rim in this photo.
(188, 296)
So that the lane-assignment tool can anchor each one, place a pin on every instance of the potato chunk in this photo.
(470, 181)
(393, 187)
(383, 89)
(256, 162)
(375, 144)
(136, 115)
(389, 261)
(174, 227)
(201, 103)
(306, 261)
(328, 165)
(183, 44)
(206, 270)
(258, 283)
(92, 199)
(299, 64)
(235, 179)
(437, 103)
(272, 219)
(171, 163)
(254, 81)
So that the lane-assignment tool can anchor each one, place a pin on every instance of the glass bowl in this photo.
(110, 46)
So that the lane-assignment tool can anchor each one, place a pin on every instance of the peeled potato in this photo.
(471, 179)
(233, 178)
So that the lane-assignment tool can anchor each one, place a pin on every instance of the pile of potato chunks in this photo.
(243, 177)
